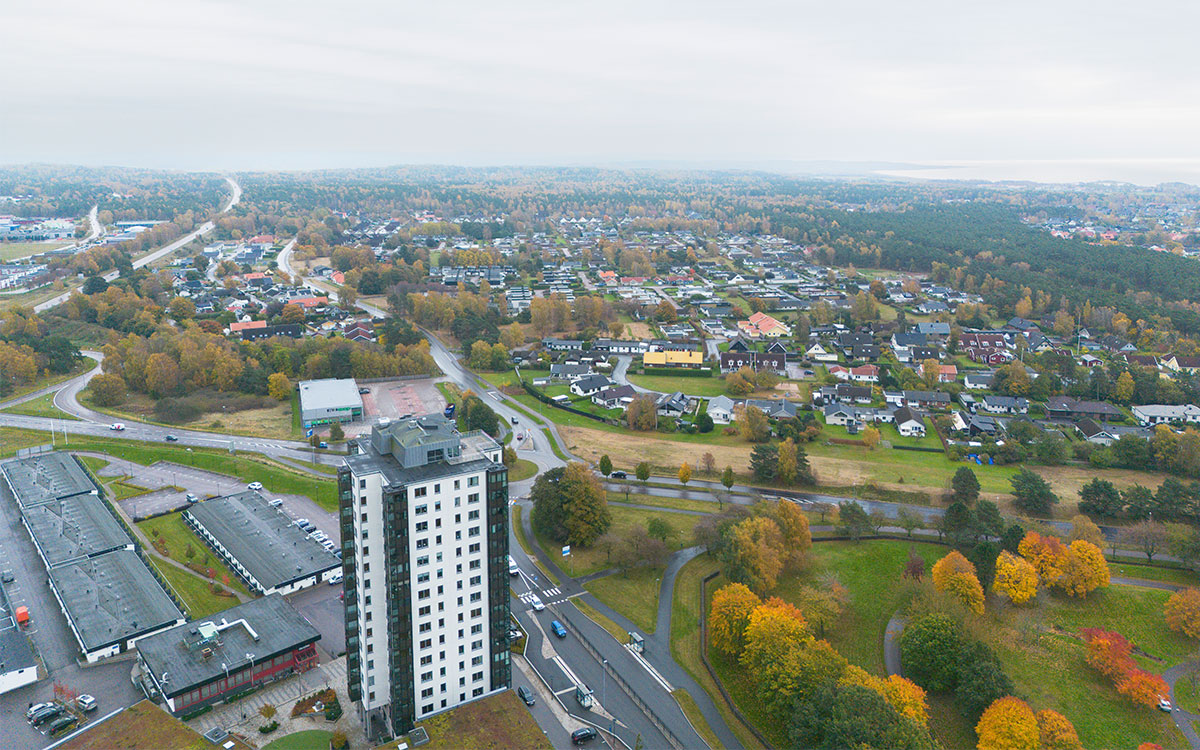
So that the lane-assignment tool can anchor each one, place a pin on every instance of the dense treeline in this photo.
(121, 193)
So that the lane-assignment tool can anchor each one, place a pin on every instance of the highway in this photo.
(203, 229)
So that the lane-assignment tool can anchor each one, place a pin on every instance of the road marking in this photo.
(649, 668)
(567, 670)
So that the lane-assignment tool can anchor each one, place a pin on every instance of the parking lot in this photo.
(393, 399)
(52, 639)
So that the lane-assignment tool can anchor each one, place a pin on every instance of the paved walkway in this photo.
(244, 718)
(1183, 719)
(891, 643)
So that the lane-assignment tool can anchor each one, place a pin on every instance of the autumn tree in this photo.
(709, 462)
(870, 437)
(1149, 536)
(642, 413)
(107, 389)
(753, 424)
(1016, 578)
(1056, 732)
(1047, 554)
(774, 628)
(587, 506)
(1083, 528)
(1008, 724)
(1183, 612)
(753, 554)
(278, 386)
(955, 574)
(685, 473)
(1084, 570)
(787, 462)
(794, 533)
(1123, 390)
(728, 616)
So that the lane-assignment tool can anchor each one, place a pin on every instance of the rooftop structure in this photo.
(260, 543)
(18, 667)
(45, 477)
(186, 662)
(73, 527)
(111, 600)
(329, 400)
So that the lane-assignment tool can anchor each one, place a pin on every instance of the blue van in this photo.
(558, 629)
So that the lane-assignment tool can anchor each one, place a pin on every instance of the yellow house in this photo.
(673, 359)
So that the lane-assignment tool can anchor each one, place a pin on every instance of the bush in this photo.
(268, 728)
(929, 651)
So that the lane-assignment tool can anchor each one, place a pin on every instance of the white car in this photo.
(1164, 705)
(118, 426)
(254, 486)
(536, 603)
(335, 579)
(276, 502)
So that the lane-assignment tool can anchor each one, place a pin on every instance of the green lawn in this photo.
(633, 594)
(1153, 573)
(14, 250)
(523, 469)
(525, 545)
(601, 619)
(178, 536)
(42, 406)
(196, 594)
(653, 501)
(122, 489)
(587, 560)
(708, 387)
(309, 739)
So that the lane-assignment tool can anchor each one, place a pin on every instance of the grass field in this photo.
(139, 726)
(272, 422)
(499, 722)
(653, 501)
(309, 739)
(670, 383)
(197, 597)
(15, 250)
(523, 469)
(633, 594)
(587, 560)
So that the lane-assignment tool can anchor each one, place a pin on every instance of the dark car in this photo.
(61, 724)
(619, 475)
(526, 695)
(171, 439)
(364, 390)
(582, 735)
(45, 715)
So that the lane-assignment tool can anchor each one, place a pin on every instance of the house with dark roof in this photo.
(909, 423)
(590, 385)
(757, 361)
(1065, 407)
(996, 404)
(615, 397)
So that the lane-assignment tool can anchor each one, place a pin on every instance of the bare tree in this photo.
(1148, 536)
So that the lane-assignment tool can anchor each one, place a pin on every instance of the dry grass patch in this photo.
(501, 722)
(142, 725)
(631, 449)
(639, 331)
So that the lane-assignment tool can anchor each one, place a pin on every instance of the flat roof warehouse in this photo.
(261, 540)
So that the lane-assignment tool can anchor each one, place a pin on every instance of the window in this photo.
(423, 594)
(423, 526)
(476, 580)
(426, 643)
(437, 505)
(472, 481)
(423, 560)
(476, 629)
(476, 612)
(427, 693)
(477, 691)
(362, 484)
(421, 510)
(419, 492)
(364, 517)
(473, 497)
(474, 531)
(476, 661)
(458, 517)
(423, 611)
(457, 484)
(427, 676)
(422, 543)
(473, 548)
(437, 488)
(477, 596)
(458, 536)
(423, 577)
(425, 627)
(476, 645)
(426, 661)
(473, 515)
(474, 565)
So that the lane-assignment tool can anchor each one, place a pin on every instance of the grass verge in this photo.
(523, 469)
(525, 545)
(178, 537)
(601, 619)
(687, 704)
(633, 594)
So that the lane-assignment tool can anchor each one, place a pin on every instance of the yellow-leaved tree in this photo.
(728, 616)
(1015, 578)
(902, 694)
(1047, 554)
(1056, 732)
(1084, 571)
(1183, 612)
(954, 574)
(1008, 724)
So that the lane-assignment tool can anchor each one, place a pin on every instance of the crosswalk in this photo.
(546, 596)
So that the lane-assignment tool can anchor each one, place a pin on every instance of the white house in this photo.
(590, 385)
(909, 422)
(817, 353)
(721, 409)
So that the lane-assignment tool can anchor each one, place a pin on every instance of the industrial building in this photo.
(111, 601)
(202, 662)
(329, 400)
(424, 514)
(74, 527)
(261, 544)
(44, 477)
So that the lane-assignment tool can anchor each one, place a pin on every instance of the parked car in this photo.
(254, 486)
(514, 420)
(171, 439)
(364, 390)
(619, 475)
(192, 498)
(301, 522)
(513, 570)
(536, 603)
(86, 702)
(117, 426)
(276, 502)
(526, 695)
(322, 444)
(7, 576)
(335, 579)
(46, 714)
(1164, 705)
(557, 628)
(582, 735)
(515, 635)
(35, 708)
(61, 724)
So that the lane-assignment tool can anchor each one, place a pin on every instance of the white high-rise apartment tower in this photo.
(424, 519)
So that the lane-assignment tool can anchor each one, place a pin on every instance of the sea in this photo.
(1059, 171)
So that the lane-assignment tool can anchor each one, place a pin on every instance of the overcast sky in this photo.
(299, 84)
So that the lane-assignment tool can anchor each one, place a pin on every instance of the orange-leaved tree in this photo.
(955, 574)
(1084, 571)
(1056, 732)
(1008, 724)
(728, 616)
(1183, 612)
(1142, 687)
(902, 694)
(1015, 578)
(1047, 554)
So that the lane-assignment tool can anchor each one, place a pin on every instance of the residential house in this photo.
(818, 353)
(569, 371)
(994, 404)
(673, 404)
(688, 359)
(614, 397)
(738, 344)
(909, 422)
(720, 409)
(844, 394)
(979, 381)
(1179, 363)
(732, 361)
(842, 414)
(761, 325)
(947, 373)
(847, 341)
(926, 399)
(867, 353)
(613, 346)
(1065, 407)
(933, 328)
(562, 345)
(1093, 432)
(590, 385)
(864, 374)
(1155, 414)
(932, 307)
(775, 408)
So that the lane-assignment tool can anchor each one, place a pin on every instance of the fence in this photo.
(621, 683)
(712, 672)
